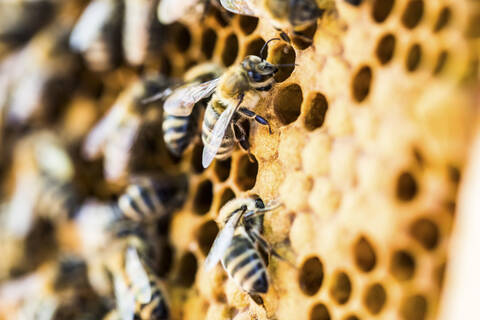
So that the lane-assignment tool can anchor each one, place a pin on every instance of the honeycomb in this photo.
(371, 131)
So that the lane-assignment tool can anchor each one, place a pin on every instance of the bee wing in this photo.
(96, 139)
(220, 245)
(118, 151)
(182, 100)
(169, 11)
(210, 149)
(138, 276)
(238, 6)
(89, 24)
(125, 299)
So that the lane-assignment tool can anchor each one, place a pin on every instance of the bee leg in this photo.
(240, 136)
(252, 115)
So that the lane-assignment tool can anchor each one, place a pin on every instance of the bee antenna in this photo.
(266, 45)
(287, 65)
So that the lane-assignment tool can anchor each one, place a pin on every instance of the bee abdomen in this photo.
(227, 145)
(57, 200)
(176, 133)
(141, 202)
(156, 309)
(245, 266)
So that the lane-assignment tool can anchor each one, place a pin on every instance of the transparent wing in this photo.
(182, 100)
(138, 276)
(118, 150)
(170, 11)
(95, 140)
(210, 149)
(220, 245)
(90, 24)
(244, 7)
(125, 299)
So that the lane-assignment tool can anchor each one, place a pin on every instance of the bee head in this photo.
(259, 71)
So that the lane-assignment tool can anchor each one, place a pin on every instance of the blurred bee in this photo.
(239, 243)
(20, 20)
(296, 15)
(146, 198)
(221, 128)
(97, 35)
(36, 80)
(180, 129)
(116, 133)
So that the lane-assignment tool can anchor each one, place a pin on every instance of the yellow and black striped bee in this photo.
(117, 132)
(296, 15)
(146, 198)
(180, 129)
(221, 129)
(239, 243)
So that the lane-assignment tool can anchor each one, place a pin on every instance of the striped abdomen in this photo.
(157, 308)
(56, 200)
(177, 133)
(209, 119)
(245, 266)
(141, 202)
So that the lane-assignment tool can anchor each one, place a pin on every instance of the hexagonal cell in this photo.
(222, 169)
(316, 111)
(341, 287)
(402, 265)
(187, 270)
(227, 195)
(254, 47)
(206, 235)
(407, 187)
(414, 57)
(203, 197)
(181, 36)
(361, 83)
(364, 255)
(443, 19)
(381, 9)
(304, 39)
(385, 48)
(351, 317)
(165, 258)
(413, 14)
(319, 312)
(287, 103)
(209, 40)
(310, 276)
(441, 61)
(247, 171)
(414, 308)
(374, 298)
(426, 232)
(196, 160)
(454, 174)
(230, 50)
(247, 24)
(284, 56)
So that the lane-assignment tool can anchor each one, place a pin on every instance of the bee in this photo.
(221, 126)
(96, 35)
(296, 15)
(146, 198)
(239, 243)
(170, 11)
(116, 133)
(20, 20)
(180, 128)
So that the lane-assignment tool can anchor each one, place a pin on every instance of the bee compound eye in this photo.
(259, 203)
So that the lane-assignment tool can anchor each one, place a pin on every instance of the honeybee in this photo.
(239, 242)
(295, 15)
(180, 128)
(146, 199)
(221, 128)
(20, 20)
(96, 34)
(117, 132)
